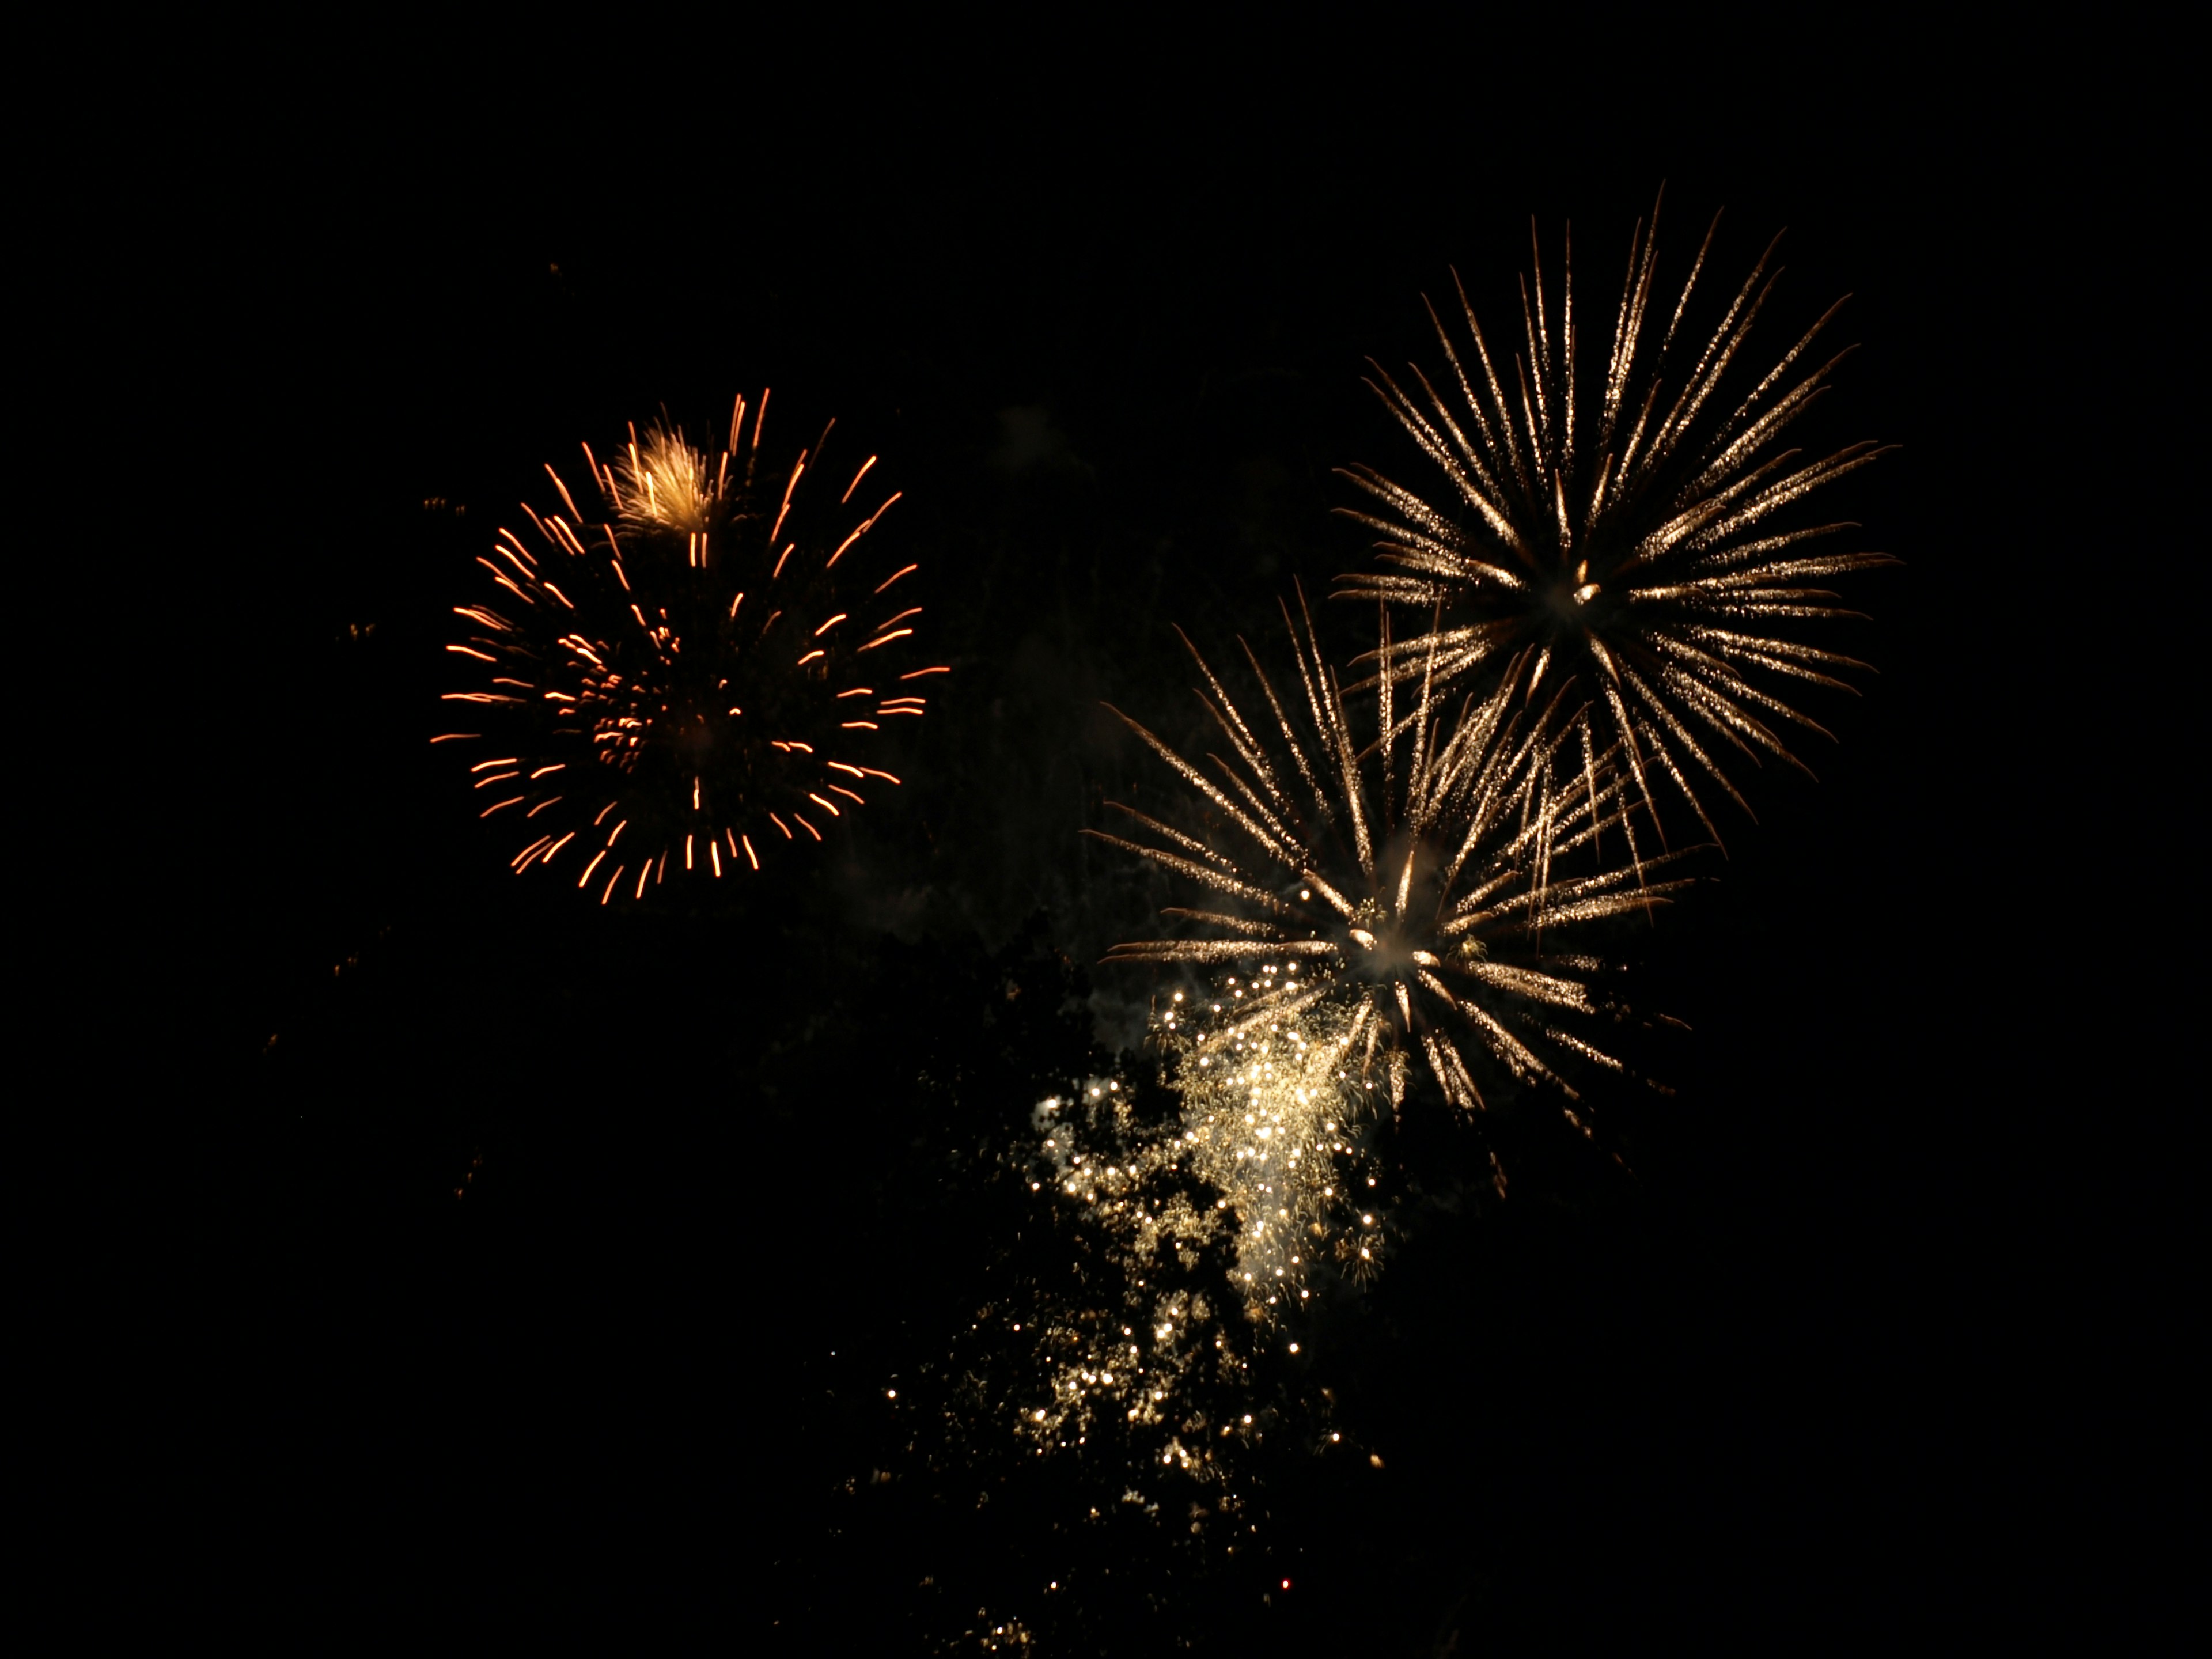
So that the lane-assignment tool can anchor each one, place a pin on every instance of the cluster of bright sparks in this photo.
(686, 679)
(1265, 1155)
(1273, 1117)
(1164, 1355)
(1622, 532)
(1135, 1358)
(1421, 876)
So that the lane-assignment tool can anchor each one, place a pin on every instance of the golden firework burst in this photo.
(1423, 881)
(1625, 533)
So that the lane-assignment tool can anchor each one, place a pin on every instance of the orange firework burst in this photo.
(688, 680)
(1622, 532)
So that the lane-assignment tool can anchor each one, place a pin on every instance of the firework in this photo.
(686, 681)
(1426, 887)
(1623, 532)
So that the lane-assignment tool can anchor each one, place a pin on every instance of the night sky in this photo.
(1820, 1365)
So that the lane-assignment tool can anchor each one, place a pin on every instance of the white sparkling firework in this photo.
(1425, 880)
(1621, 531)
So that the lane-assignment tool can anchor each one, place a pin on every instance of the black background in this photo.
(1855, 1350)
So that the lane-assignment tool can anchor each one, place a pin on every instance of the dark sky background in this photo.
(1826, 1363)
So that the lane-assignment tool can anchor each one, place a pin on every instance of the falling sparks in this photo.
(1422, 883)
(1622, 532)
(1136, 1362)
(686, 659)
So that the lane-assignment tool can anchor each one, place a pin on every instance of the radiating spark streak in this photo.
(541, 805)
(592, 866)
(856, 484)
(919, 673)
(866, 526)
(466, 736)
(714, 852)
(885, 638)
(896, 574)
(831, 623)
(611, 880)
(807, 827)
(561, 533)
(516, 800)
(1610, 532)
(752, 857)
(784, 511)
(825, 805)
